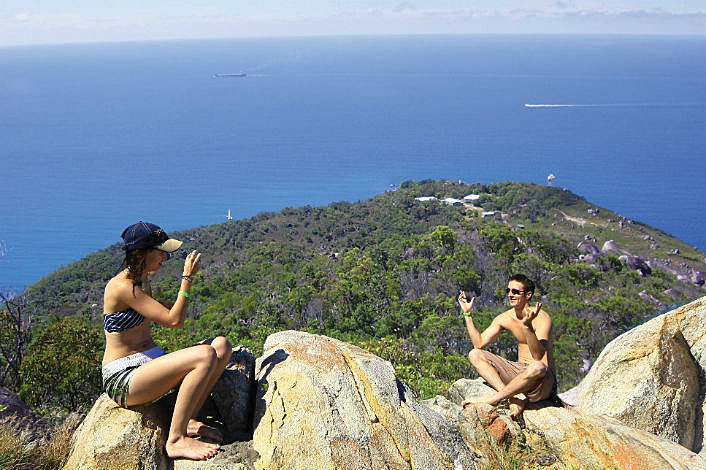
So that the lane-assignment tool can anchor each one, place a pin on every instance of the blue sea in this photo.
(96, 137)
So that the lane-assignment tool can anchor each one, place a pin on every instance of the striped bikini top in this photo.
(121, 321)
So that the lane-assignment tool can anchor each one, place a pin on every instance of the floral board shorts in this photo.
(118, 373)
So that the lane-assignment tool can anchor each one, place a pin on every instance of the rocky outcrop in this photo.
(637, 264)
(611, 247)
(111, 437)
(326, 404)
(582, 441)
(652, 377)
(681, 270)
(15, 413)
(589, 251)
(233, 396)
(12, 407)
(565, 438)
(643, 265)
(587, 247)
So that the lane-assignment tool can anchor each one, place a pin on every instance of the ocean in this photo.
(95, 137)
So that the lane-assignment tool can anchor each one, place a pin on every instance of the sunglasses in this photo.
(514, 291)
(169, 255)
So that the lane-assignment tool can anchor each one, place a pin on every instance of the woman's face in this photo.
(154, 259)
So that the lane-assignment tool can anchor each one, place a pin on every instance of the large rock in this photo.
(698, 277)
(652, 377)
(587, 247)
(611, 247)
(232, 398)
(637, 264)
(581, 441)
(326, 404)
(111, 437)
(563, 438)
(467, 388)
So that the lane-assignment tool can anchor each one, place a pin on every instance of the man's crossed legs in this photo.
(520, 382)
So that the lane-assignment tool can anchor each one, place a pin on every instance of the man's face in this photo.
(516, 294)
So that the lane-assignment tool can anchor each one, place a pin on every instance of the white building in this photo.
(425, 198)
(471, 197)
(452, 201)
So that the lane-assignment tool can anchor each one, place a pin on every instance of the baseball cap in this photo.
(146, 235)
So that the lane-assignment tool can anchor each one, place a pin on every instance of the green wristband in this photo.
(185, 294)
(467, 314)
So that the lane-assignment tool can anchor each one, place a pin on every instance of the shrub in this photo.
(61, 368)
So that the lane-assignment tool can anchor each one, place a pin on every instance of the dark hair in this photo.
(135, 263)
(527, 283)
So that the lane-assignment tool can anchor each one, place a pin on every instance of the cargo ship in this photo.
(229, 75)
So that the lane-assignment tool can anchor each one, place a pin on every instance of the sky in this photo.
(24, 22)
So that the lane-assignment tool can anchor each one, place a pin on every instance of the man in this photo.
(532, 377)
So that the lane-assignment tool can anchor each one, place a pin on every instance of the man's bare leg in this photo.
(527, 380)
(485, 370)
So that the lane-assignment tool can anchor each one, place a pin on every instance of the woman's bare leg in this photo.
(223, 351)
(192, 368)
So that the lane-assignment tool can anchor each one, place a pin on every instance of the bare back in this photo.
(124, 343)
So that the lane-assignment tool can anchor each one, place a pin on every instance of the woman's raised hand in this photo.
(192, 264)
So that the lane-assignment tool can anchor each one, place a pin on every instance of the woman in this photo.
(135, 369)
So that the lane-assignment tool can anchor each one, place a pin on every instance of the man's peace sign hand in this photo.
(531, 314)
(466, 306)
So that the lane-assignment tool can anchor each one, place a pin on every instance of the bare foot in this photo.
(197, 428)
(486, 400)
(517, 406)
(187, 448)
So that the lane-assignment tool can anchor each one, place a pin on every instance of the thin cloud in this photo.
(20, 17)
(404, 6)
(27, 27)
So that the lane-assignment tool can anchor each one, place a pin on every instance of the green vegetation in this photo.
(383, 274)
(60, 367)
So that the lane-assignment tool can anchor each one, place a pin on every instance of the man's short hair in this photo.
(527, 283)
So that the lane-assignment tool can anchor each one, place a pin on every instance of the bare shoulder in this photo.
(543, 325)
(119, 285)
(544, 317)
(117, 291)
(505, 319)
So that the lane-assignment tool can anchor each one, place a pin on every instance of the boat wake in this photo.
(611, 105)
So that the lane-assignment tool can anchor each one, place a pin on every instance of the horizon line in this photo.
(358, 35)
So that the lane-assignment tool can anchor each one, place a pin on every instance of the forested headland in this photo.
(382, 273)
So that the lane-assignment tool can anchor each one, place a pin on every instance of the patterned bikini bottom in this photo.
(118, 373)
